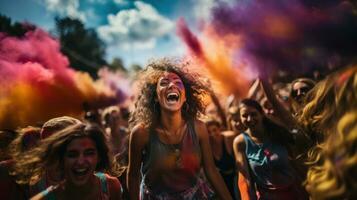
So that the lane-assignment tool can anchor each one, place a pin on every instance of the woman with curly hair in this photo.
(80, 155)
(332, 114)
(167, 142)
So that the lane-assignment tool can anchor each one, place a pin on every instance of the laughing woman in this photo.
(80, 155)
(167, 143)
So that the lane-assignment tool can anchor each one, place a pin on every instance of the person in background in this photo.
(81, 156)
(26, 139)
(299, 88)
(222, 149)
(261, 153)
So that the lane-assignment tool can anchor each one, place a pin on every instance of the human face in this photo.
(170, 92)
(80, 160)
(251, 117)
(213, 130)
(299, 90)
(236, 123)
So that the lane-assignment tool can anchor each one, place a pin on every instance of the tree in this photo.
(117, 64)
(14, 29)
(82, 46)
(135, 68)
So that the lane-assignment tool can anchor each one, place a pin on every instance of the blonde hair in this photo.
(334, 161)
(334, 174)
(327, 102)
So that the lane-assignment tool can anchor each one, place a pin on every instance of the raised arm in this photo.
(138, 139)
(244, 180)
(208, 164)
(284, 115)
(220, 110)
(301, 140)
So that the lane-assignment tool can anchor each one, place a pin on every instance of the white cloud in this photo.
(202, 8)
(121, 2)
(66, 7)
(136, 28)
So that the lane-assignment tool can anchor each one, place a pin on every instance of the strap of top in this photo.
(103, 182)
(42, 186)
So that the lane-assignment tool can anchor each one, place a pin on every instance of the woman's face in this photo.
(170, 91)
(299, 90)
(213, 130)
(80, 160)
(236, 124)
(251, 117)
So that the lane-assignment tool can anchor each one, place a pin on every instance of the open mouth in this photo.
(80, 171)
(172, 97)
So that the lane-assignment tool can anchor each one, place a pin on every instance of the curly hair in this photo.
(327, 101)
(147, 110)
(333, 163)
(51, 151)
(27, 138)
(334, 175)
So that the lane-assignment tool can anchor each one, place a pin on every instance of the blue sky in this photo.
(133, 30)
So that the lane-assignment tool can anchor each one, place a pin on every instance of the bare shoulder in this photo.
(114, 186)
(139, 134)
(199, 124)
(201, 128)
(229, 134)
(239, 142)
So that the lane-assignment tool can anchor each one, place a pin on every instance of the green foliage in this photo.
(117, 64)
(82, 46)
(13, 29)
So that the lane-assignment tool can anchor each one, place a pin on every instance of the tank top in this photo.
(225, 165)
(269, 164)
(171, 169)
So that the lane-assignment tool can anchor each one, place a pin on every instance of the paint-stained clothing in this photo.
(271, 171)
(171, 171)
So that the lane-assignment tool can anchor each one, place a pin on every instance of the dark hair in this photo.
(275, 132)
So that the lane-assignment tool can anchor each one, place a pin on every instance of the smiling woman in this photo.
(167, 140)
(80, 155)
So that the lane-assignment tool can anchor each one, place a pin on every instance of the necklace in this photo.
(175, 149)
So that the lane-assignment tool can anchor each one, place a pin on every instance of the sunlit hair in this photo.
(326, 102)
(6, 137)
(50, 153)
(332, 162)
(147, 110)
(334, 175)
(274, 131)
(55, 124)
(27, 139)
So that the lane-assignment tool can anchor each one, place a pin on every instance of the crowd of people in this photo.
(284, 140)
